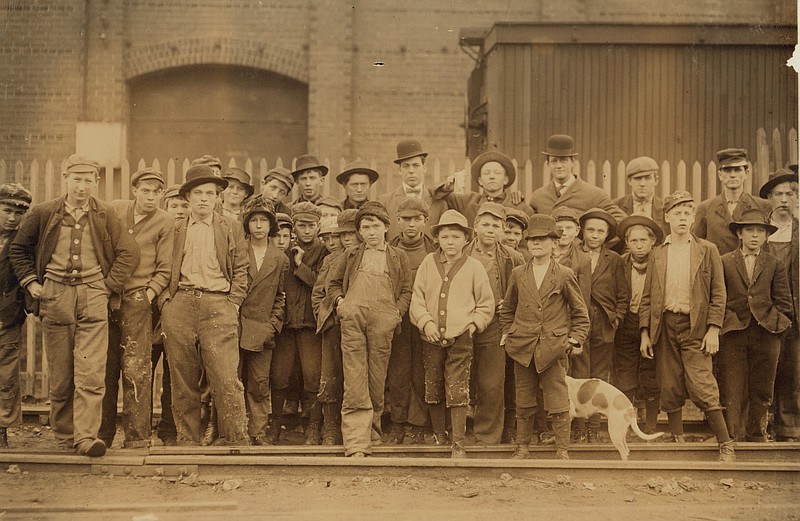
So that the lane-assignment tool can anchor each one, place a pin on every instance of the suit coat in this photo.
(12, 296)
(580, 196)
(539, 321)
(468, 203)
(391, 201)
(581, 264)
(766, 298)
(611, 292)
(712, 218)
(321, 303)
(793, 269)
(231, 250)
(656, 211)
(708, 294)
(262, 311)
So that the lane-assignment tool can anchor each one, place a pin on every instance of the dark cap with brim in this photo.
(640, 220)
(497, 157)
(675, 198)
(784, 175)
(518, 217)
(541, 225)
(753, 217)
(357, 167)
(599, 213)
(200, 175)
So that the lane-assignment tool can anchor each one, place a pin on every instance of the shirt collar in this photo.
(379, 248)
(206, 220)
(567, 184)
(756, 254)
(420, 188)
(71, 207)
(443, 259)
(668, 240)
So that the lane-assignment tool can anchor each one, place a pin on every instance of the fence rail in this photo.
(45, 183)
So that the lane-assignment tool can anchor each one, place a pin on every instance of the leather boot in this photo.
(329, 424)
(276, 419)
(509, 427)
(651, 416)
(3, 438)
(313, 433)
(561, 428)
(458, 420)
(398, 433)
(212, 431)
(523, 438)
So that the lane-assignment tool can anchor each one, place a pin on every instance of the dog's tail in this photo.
(630, 415)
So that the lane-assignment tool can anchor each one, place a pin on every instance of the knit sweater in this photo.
(469, 300)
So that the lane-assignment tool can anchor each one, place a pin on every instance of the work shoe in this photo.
(440, 438)
(508, 435)
(562, 454)
(578, 436)
(679, 438)
(3, 438)
(457, 451)
(314, 433)
(274, 432)
(726, 452)
(521, 451)
(547, 438)
(169, 441)
(211, 434)
(591, 435)
(92, 448)
(290, 407)
(417, 435)
(398, 434)
(358, 455)
(224, 442)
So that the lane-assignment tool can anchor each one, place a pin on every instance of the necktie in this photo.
(414, 192)
(559, 189)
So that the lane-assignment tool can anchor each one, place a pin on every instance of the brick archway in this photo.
(222, 51)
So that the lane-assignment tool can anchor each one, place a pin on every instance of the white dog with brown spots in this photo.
(591, 396)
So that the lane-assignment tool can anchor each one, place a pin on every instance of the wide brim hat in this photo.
(560, 145)
(357, 167)
(487, 157)
(541, 225)
(200, 175)
(308, 162)
(242, 176)
(640, 220)
(452, 218)
(784, 175)
(599, 213)
(408, 149)
(259, 205)
(753, 217)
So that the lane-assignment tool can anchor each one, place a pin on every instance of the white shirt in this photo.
(407, 188)
(539, 272)
(783, 234)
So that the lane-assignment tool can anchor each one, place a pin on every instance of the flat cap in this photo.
(412, 206)
(306, 211)
(78, 164)
(731, 157)
(172, 191)
(496, 209)
(517, 216)
(565, 213)
(372, 209)
(640, 165)
(281, 174)
(330, 201)
(284, 220)
(675, 198)
(146, 174)
(541, 225)
(207, 160)
(347, 220)
(14, 194)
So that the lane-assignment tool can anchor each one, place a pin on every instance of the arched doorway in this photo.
(223, 110)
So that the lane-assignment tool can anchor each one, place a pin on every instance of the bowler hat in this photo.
(412, 206)
(357, 167)
(599, 213)
(14, 194)
(496, 209)
(330, 201)
(517, 216)
(237, 174)
(565, 213)
(372, 209)
(207, 160)
(753, 217)
(560, 145)
(640, 220)
(783, 175)
(347, 220)
(731, 157)
(146, 174)
(308, 162)
(408, 149)
(640, 165)
(451, 218)
(305, 211)
(259, 205)
(78, 164)
(541, 225)
(675, 198)
(173, 191)
(281, 174)
(199, 175)
(487, 157)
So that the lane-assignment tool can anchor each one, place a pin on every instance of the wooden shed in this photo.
(673, 92)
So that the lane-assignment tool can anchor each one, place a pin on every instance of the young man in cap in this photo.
(452, 301)
(130, 328)
(607, 305)
(411, 167)
(331, 372)
(494, 173)
(642, 176)
(514, 231)
(283, 238)
(371, 288)
(238, 191)
(405, 379)
(15, 201)
(568, 250)
(308, 174)
(275, 186)
(298, 338)
(543, 318)
(567, 189)
(210, 161)
(261, 314)
(74, 257)
(781, 192)
(356, 178)
(756, 315)
(680, 317)
(200, 312)
(714, 215)
(489, 361)
(631, 372)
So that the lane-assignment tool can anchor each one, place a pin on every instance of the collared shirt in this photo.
(489, 261)
(137, 217)
(258, 255)
(200, 268)
(750, 264)
(783, 233)
(731, 204)
(374, 260)
(637, 289)
(561, 187)
(539, 272)
(677, 293)
(593, 256)
(76, 211)
(413, 192)
(645, 208)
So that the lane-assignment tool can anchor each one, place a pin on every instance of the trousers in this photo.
(10, 392)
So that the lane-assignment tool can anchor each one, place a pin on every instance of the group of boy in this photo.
(444, 305)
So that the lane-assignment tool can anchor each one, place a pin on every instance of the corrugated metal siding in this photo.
(671, 102)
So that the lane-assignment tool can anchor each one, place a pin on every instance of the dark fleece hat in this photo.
(372, 209)
(259, 205)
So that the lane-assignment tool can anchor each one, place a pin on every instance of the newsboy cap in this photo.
(208, 161)
(78, 164)
(173, 191)
(640, 165)
(282, 175)
(731, 157)
(330, 201)
(517, 216)
(306, 211)
(14, 194)
(675, 198)
(541, 225)
(565, 213)
(346, 221)
(412, 206)
(146, 174)
(496, 209)
(284, 220)
(238, 174)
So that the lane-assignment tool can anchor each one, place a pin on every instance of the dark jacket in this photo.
(12, 296)
(580, 196)
(262, 311)
(581, 264)
(611, 292)
(793, 269)
(657, 211)
(391, 200)
(766, 298)
(300, 280)
(231, 249)
(36, 240)
(468, 203)
(507, 260)
(712, 219)
(539, 321)
(320, 300)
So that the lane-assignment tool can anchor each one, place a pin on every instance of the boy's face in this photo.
(452, 241)
(10, 216)
(147, 196)
(348, 239)
(569, 231)
(202, 199)
(372, 230)
(235, 193)
(177, 207)
(493, 177)
(783, 198)
(282, 239)
(680, 218)
(411, 226)
(274, 191)
(412, 171)
(259, 226)
(639, 241)
(753, 237)
(357, 188)
(541, 247)
(332, 242)
(512, 235)
(489, 229)
(310, 183)
(306, 231)
(328, 214)
(80, 186)
(595, 232)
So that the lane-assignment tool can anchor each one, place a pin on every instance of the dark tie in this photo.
(414, 192)
(559, 188)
